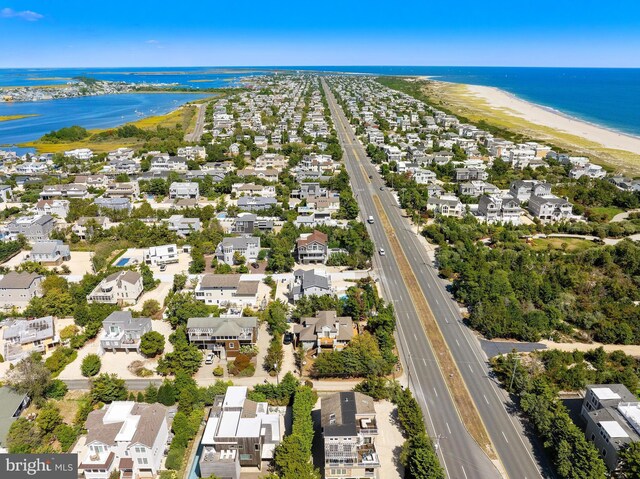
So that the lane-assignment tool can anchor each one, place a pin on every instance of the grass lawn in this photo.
(610, 211)
(573, 244)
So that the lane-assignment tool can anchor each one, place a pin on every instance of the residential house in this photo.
(349, 429)
(118, 204)
(129, 189)
(17, 289)
(34, 228)
(49, 253)
(550, 208)
(85, 226)
(309, 283)
(59, 208)
(477, 188)
(469, 174)
(424, 177)
(271, 161)
(121, 331)
(312, 247)
(251, 189)
(71, 190)
(157, 255)
(166, 163)
(249, 223)
(97, 181)
(227, 290)
(445, 205)
(6, 193)
(223, 336)
(325, 331)
(13, 403)
(239, 433)
(612, 414)
(184, 190)
(25, 336)
(183, 226)
(128, 437)
(229, 248)
(82, 154)
(192, 152)
(256, 203)
(495, 208)
(590, 170)
(268, 174)
(525, 189)
(121, 287)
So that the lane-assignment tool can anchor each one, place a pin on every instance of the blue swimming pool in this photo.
(122, 262)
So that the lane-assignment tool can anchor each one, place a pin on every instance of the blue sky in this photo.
(57, 33)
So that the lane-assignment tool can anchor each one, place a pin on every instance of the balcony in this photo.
(367, 455)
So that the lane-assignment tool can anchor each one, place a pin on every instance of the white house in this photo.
(165, 254)
(126, 436)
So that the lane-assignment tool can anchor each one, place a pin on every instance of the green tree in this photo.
(152, 344)
(91, 365)
(151, 394)
(23, 437)
(30, 376)
(150, 308)
(49, 418)
(108, 388)
(629, 465)
(148, 281)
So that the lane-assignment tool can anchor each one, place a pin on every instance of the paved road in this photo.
(459, 453)
(132, 384)
(195, 135)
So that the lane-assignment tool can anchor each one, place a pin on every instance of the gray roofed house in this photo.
(325, 331)
(256, 203)
(227, 290)
(120, 330)
(223, 336)
(115, 203)
(248, 223)
(121, 287)
(550, 208)
(247, 246)
(13, 403)
(24, 336)
(126, 436)
(309, 283)
(612, 414)
(34, 228)
(183, 226)
(349, 428)
(17, 289)
(445, 205)
(52, 252)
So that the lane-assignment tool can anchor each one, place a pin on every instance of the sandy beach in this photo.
(497, 98)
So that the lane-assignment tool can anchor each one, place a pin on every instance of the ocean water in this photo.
(106, 111)
(606, 96)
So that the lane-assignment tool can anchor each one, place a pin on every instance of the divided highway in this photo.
(460, 455)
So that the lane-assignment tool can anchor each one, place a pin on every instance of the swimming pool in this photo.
(122, 262)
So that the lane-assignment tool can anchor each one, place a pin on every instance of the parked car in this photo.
(209, 359)
(287, 338)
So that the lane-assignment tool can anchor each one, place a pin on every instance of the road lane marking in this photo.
(505, 437)
(463, 471)
(485, 398)
(436, 392)
(448, 428)
(457, 342)
(424, 361)
(470, 368)
(415, 337)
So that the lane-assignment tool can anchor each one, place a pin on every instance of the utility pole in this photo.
(513, 373)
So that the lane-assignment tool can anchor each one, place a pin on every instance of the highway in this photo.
(198, 129)
(460, 455)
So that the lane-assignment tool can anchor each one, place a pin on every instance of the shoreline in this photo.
(549, 117)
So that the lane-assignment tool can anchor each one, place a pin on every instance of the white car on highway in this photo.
(381, 252)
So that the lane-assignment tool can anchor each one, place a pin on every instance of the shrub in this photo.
(91, 365)
(66, 435)
(152, 344)
(108, 388)
(241, 363)
(69, 332)
(59, 359)
(175, 457)
(218, 371)
(56, 390)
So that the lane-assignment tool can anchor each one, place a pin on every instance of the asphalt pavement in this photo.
(460, 455)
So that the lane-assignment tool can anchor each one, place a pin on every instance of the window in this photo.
(231, 345)
(140, 449)
(143, 460)
(257, 446)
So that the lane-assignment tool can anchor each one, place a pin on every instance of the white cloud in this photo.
(27, 15)
(152, 42)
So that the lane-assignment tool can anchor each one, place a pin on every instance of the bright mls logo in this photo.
(38, 466)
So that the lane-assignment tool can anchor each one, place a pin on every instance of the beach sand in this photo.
(609, 139)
